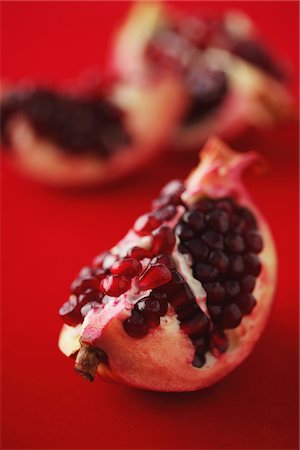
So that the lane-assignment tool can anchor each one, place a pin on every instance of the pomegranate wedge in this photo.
(182, 299)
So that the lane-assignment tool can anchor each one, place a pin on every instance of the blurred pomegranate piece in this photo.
(231, 81)
(181, 310)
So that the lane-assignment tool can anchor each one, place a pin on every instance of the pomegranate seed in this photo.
(232, 316)
(184, 232)
(253, 264)
(201, 343)
(188, 312)
(232, 288)
(205, 272)
(198, 249)
(237, 265)
(196, 326)
(219, 341)
(70, 313)
(173, 187)
(115, 285)
(213, 239)
(128, 267)
(163, 240)
(248, 283)
(99, 273)
(184, 299)
(219, 260)
(88, 307)
(215, 292)
(150, 309)
(139, 253)
(154, 276)
(218, 220)
(215, 312)
(254, 241)
(199, 360)
(173, 287)
(195, 219)
(81, 284)
(98, 261)
(165, 213)
(136, 325)
(234, 243)
(204, 205)
(166, 260)
(145, 224)
(246, 303)
(226, 205)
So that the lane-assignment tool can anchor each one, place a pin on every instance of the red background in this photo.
(48, 235)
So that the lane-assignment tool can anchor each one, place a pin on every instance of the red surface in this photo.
(48, 235)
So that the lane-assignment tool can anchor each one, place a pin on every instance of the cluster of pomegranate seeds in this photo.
(223, 241)
(86, 295)
(76, 124)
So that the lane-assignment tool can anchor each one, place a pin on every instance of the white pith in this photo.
(163, 359)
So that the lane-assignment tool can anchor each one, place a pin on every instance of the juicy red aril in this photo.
(173, 187)
(174, 286)
(146, 224)
(215, 292)
(115, 285)
(99, 273)
(197, 248)
(169, 195)
(246, 303)
(154, 276)
(232, 288)
(151, 310)
(88, 296)
(70, 313)
(81, 284)
(248, 283)
(219, 341)
(205, 272)
(219, 260)
(213, 239)
(98, 260)
(237, 265)
(184, 232)
(199, 360)
(187, 311)
(136, 325)
(163, 240)
(197, 325)
(165, 213)
(226, 205)
(204, 205)
(253, 264)
(166, 260)
(129, 267)
(215, 312)
(194, 219)
(232, 316)
(218, 220)
(139, 253)
(201, 343)
(184, 299)
(254, 241)
(234, 243)
(88, 307)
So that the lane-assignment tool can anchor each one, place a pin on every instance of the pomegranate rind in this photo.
(162, 361)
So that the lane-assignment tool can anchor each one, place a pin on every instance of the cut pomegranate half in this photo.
(178, 308)
(83, 139)
(231, 81)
